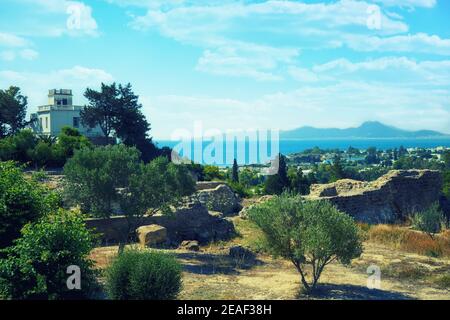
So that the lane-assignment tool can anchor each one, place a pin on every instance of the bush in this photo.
(143, 275)
(308, 233)
(430, 221)
(21, 201)
(240, 189)
(93, 177)
(36, 266)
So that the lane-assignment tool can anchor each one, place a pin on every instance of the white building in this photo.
(58, 113)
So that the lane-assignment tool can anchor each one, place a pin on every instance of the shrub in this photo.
(36, 266)
(212, 173)
(240, 189)
(143, 275)
(430, 221)
(21, 201)
(93, 176)
(308, 233)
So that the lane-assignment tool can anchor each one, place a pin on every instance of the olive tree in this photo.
(114, 177)
(311, 234)
(430, 221)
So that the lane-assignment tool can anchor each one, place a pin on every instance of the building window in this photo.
(40, 123)
(46, 122)
(76, 122)
(64, 102)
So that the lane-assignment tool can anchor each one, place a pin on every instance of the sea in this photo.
(288, 147)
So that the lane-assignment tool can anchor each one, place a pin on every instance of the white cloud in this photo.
(11, 40)
(217, 26)
(36, 85)
(303, 74)
(419, 42)
(408, 3)
(7, 55)
(246, 60)
(343, 104)
(16, 47)
(29, 54)
(57, 17)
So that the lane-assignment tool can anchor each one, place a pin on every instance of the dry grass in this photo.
(411, 241)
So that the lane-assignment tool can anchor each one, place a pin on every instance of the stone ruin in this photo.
(391, 198)
(201, 219)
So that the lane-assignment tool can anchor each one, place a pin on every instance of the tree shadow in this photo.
(207, 264)
(352, 292)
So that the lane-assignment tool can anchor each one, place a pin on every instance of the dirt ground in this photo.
(212, 274)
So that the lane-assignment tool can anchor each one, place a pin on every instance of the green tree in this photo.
(36, 266)
(211, 173)
(337, 169)
(93, 177)
(430, 221)
(115, 109)
(276, 184)
(372, 156)
(298, 182)
(69, 140)
(13, 110)
(21, 201)
(311, 234)
(235, 172)
(158, 186)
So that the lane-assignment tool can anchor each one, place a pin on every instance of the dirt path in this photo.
(212, 274)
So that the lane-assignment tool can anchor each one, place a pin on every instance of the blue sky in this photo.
(239, 64)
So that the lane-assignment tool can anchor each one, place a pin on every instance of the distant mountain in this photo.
(370, 129)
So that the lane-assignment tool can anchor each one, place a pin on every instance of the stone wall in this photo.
(391, 198)
(190, 223)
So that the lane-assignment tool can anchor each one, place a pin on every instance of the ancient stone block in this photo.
(151, 235)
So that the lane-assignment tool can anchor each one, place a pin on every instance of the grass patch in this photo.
(443, 281)
(406, 272)
(250, 235)
(411, 241)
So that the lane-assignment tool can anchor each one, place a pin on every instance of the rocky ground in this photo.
(212, 274)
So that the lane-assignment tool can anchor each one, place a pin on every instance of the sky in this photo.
(230, 65)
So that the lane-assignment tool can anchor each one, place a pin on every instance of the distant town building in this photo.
(58, 113)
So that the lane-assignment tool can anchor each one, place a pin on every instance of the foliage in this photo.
(36, 266)
(308, 233)
(240, 189)
(430, 221)
(21, 201)
(115, 109)
(250, 178)
(158, 185)
(69, 140)
(26, 147)
(100, 179)
(211, 173)
(276, 184)
(235, 172)
(298, 182)
(13, 110)
(143, 275)
(93, 177)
